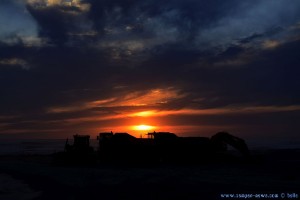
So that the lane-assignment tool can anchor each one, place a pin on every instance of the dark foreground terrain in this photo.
(36, 177)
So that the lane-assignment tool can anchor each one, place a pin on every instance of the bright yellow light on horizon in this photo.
(143, 127)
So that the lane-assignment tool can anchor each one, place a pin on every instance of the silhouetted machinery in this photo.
(81, 144)
(80, 152)
(167, 147)
(158, 147)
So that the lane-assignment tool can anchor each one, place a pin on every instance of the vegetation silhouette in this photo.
(157, 148)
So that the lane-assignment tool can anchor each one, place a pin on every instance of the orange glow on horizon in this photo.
(143, 127)
(143, 114)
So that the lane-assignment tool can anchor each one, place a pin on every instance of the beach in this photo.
(37, 177)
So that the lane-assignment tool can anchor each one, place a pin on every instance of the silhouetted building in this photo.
(165, 147)
(158, 147)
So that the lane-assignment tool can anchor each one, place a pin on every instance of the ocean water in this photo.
(35, 146)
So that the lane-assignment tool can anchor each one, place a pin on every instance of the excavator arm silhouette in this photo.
(222, 139)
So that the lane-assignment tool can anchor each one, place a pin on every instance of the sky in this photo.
(190, 67)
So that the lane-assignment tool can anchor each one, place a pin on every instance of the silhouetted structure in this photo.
(80, 152)
(222, 139)
(166, 147)
(158, 147)
(81, 144)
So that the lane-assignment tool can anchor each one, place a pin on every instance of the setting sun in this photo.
(143, 127)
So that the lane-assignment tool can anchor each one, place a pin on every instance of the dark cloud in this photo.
(16, 24)
(200, 55)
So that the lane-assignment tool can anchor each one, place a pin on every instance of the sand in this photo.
(36, 177)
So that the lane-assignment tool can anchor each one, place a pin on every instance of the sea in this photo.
(36, 146)
(49, 146)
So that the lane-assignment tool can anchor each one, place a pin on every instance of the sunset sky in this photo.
(190, 67)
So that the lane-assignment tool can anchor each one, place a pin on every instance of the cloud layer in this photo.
(191, 67)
